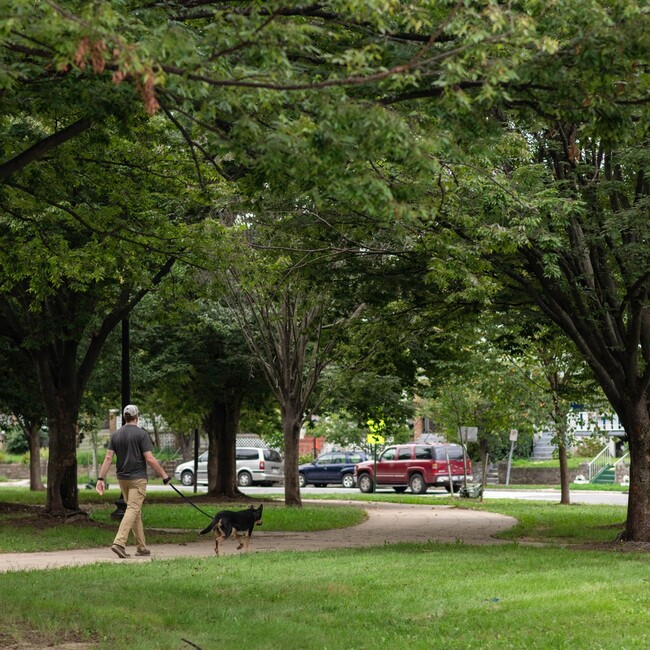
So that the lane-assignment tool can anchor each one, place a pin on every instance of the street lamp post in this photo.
(120, 504)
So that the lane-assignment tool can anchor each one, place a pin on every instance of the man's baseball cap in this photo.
(131, 410)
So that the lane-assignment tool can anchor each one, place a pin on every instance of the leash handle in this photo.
(192, 504)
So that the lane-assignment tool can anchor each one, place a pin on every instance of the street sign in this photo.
(513, 438)
(469, 434)
(375, 439)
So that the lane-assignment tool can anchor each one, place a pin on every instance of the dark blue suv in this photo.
(331, 467)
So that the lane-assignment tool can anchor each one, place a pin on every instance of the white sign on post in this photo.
(468, 434)
(513, 438)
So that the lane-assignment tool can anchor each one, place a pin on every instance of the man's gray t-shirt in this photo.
(129, 443)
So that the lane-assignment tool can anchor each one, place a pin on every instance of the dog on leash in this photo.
(236, 524)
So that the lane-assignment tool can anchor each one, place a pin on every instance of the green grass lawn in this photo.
(172, 522)
(176, 522)
(402, 596)
(392, 596)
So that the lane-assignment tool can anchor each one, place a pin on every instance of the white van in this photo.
(255, 466)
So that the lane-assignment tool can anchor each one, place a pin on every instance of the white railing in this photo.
(588, 422)
(623, 458)
(601, 461)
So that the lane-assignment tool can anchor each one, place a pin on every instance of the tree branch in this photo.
(39, 149)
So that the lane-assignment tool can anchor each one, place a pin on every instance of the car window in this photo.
(389, 454)
(424, 453)
(272, 455)
(404, 453)
(356, 458)
(338, 459)
(247, 454)
(455, 452)
(204, 456)
(324, 459)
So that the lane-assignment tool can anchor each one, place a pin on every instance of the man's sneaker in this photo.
(119, 551)
(143, 552)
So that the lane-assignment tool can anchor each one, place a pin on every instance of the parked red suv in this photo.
(416, 466)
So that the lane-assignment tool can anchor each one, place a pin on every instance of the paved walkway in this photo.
(387, 523)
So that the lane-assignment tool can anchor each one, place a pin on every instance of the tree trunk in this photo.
(57, 378)
(637, 425)
(560, 421)
(184, 444)
(33, 434)
(62, 490)
(221, 425)
(291, 421)
(156, 433)
(565, 494)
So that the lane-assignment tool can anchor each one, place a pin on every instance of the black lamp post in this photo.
(120, 504)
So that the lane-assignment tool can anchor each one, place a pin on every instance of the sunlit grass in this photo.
(31, 530)
(537, 520)
(398, 597)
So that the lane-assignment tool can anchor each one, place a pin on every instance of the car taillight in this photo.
(434, 467)
(261, 464)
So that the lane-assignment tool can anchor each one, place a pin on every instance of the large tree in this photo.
(303, 87)
(87, 232)
(294, 329)
(562, 215)
(199, 373)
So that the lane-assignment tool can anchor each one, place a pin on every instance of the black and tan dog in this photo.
(235, 524)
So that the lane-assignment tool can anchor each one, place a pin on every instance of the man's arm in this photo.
(152, 462)
(108, 459)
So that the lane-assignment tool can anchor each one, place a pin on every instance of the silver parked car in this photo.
(255, 466)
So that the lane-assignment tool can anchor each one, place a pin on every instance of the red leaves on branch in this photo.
(94, 51)
(147, 89)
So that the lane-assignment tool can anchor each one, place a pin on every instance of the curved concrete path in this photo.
(387, 523)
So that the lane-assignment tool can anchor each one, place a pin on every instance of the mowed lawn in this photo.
(510, 595)
(403, 596)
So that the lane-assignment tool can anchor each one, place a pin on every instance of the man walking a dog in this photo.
(133, 448)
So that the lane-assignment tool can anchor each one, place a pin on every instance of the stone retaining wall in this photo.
(18, 471)
(518, 475)
(536, 475)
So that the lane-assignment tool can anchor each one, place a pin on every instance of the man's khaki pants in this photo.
(134, 493)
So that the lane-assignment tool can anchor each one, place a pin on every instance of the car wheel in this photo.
(187, 478)
(365, 483)
(302, 481)
(400, 490)
(417, 484)
(348, 480)
(244, 480)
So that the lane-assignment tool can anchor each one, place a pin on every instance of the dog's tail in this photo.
(209, 528)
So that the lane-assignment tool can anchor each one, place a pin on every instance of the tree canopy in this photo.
(498, 146)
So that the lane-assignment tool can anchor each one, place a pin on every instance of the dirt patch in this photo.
(616, 546)
(12, 508)
(30, 516)
(31, 641)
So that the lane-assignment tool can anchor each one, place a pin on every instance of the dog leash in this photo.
(192, 504)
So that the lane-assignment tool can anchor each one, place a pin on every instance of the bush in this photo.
(16, 442)
(166, 453)
(590, 446)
